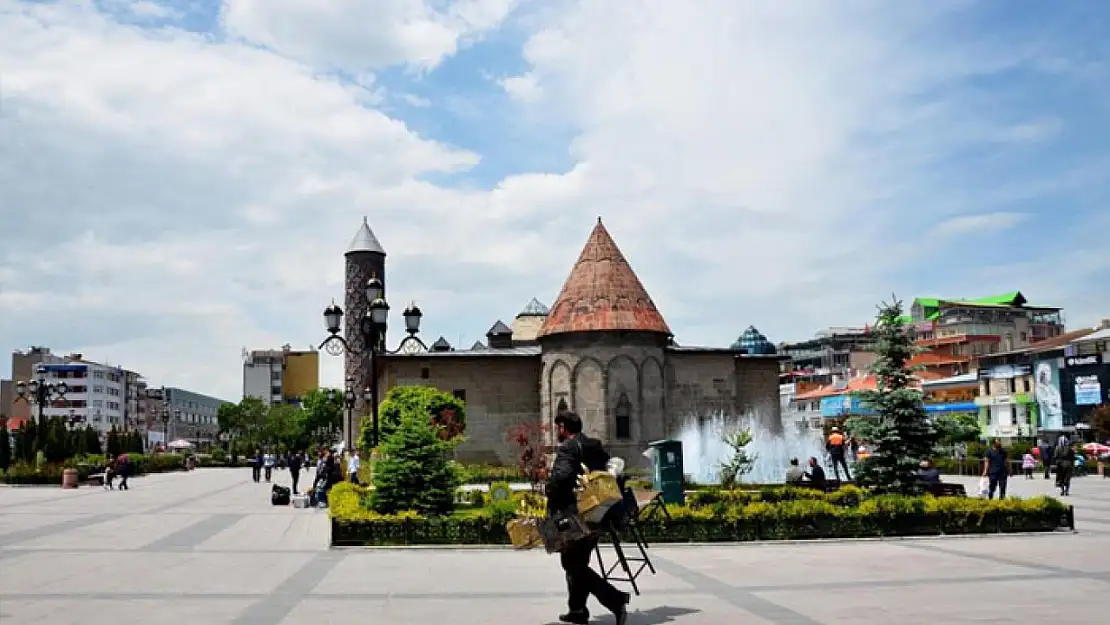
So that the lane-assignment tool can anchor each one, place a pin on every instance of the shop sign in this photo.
(1088, 390)
(1083, 361)
(994, 400)
(1003, 372)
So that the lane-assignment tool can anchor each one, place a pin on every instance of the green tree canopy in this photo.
(903, 435)
(444, 410)
(415, 472)
(324, 411)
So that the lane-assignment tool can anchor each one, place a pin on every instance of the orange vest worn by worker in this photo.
(836, 444)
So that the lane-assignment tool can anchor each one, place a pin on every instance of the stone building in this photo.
(602, 349)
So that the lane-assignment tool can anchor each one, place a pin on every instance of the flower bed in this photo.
(723, 516)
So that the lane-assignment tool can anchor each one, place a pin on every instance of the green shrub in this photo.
(415, 473)
(485, 474)
(714, 519)
(446, 411)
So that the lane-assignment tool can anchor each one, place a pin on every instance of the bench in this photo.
(95, 479)
(945, 489)
(830, 486)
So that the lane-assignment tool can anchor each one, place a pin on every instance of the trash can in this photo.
(667, 471)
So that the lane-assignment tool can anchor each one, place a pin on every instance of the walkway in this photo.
(206, 547)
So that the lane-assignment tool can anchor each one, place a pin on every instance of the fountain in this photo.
(703, 447)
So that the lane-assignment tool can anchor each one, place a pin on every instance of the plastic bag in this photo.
(984, 486)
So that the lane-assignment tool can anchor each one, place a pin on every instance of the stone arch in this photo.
(653, 393)
(588, 383)
(558, 388)
(623, 388)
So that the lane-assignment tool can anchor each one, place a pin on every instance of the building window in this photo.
(460, 394)
(275, 375)
(276, 390)
(624, 417)
(425, 373)
(562, 405)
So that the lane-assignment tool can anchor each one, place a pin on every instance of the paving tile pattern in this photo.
(207, 547)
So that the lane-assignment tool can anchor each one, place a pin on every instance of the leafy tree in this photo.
(903, 435)
(957, 428)
(445, 410)
(5, 447)
(529, 437)
(862, 428)
(229, 417)
(740, 464)
(415, 473)
(324, 410)
(1100, 422)
(284, 426)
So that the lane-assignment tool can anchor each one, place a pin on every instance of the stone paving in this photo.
(206, 547)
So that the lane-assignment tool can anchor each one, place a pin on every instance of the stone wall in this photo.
(500, 392)
(757, 390)
(700, 384)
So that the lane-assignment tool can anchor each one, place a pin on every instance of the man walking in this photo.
(295, 468)
(575, 450)
(256, 465)
(352, 467)
(996, 468)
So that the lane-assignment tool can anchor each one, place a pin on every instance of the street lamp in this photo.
(40, 392)
(373, 323)
(165, 425)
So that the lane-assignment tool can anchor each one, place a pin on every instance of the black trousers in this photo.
(838, 459)
(295, 475)
(256, 472)
(582, 581)
(997, 482)
(269, 473)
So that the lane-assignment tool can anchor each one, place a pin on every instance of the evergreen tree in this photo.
(416, 473)
(92, 441)
(903, 435)
(80, 441)
(113, 442)
(5, 447)
(26, 442)
(54, 448)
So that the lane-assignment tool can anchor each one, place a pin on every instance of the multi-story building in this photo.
(192, 417)
(24, 363)
(97, 393)
(833, 354)
(280, 376)
(954, 333)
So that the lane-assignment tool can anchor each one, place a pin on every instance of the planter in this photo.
(69, 478)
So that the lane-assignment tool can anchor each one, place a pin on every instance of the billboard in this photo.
(1046, 390)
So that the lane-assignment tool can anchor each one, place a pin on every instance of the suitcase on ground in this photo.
(279, 495)
(300, 501)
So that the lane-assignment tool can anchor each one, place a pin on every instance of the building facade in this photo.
(602, 350)
(192, 416)
(280, 375)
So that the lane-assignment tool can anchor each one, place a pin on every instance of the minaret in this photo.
(365, 258)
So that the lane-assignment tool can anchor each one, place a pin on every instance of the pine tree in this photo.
(27, 444)
(415, 473)
(903, 435)
(92, 441)
(5, 447)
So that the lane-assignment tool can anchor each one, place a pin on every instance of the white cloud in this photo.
(169, 197)
(979, 224)
(358, 35)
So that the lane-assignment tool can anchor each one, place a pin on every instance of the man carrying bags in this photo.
(575, 450)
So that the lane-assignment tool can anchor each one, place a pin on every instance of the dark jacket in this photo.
(295, 463)
(569, 458)
(816, 476)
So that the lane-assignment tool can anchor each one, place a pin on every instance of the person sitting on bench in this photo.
(794, 473)
(816, 475)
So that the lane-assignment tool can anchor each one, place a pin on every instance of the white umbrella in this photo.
(180, 444)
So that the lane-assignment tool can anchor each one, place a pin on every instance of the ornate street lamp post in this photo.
(372, 327)
(165, 426)
(40, 392)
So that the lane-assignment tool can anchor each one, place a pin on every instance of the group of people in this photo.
(1062, 457)
(328, 465)
(117, 466)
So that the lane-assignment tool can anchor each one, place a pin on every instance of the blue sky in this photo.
(182, 178)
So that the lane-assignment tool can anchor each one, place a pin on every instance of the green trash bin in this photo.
(667, 471)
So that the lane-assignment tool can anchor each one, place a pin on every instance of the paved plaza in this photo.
(206, 547)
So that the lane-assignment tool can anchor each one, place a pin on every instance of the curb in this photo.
(754, 544)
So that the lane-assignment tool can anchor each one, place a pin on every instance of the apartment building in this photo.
(280, 376)
(98, 394)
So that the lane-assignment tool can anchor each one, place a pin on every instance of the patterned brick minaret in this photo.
(365, 257)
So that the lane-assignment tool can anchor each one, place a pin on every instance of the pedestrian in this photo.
(123, 467)
(837, 452)
(268, 463)
(1028, 463)
(352, 467)
(1065, 463)
(295, 469)
(816, 475)
(256, 465)
(575, 450)
(996, 468)
(1046, 458)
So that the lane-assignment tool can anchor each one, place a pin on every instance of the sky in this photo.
(179, 180)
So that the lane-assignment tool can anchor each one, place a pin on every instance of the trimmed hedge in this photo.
(51, 474)
(725, 516)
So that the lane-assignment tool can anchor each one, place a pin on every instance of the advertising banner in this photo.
(1088, 390)
(1046, 390)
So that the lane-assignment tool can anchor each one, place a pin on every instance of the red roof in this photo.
(603, 294)
(855, 385)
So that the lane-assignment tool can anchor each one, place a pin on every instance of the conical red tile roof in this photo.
(603, 294)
